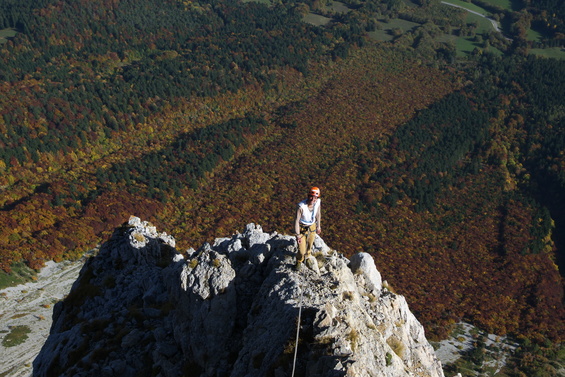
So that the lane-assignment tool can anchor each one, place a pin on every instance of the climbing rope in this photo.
(297, 331)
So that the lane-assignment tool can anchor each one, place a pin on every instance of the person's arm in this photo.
(297, 221)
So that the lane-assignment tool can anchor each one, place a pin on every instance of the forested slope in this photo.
(88, 84)
(204, 117)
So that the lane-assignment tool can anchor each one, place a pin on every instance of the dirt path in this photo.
(30, 306)
(492, 21)
(495, 24)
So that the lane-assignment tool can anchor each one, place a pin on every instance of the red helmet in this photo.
(314, 191)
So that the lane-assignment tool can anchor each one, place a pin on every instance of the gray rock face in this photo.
(233, 308)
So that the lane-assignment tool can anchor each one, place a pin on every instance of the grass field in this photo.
(554, 52)
(410, 3)
(20, 274)
(386, 33)
(465, 46)
(6, 33)
(533, 35)
(469, 6)
(513, 5)
(316, 19)
(483, 24)
(319, 20)
(339, 7)
(505, 4)
(17, 335)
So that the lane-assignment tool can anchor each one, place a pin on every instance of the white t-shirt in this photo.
(308, 217)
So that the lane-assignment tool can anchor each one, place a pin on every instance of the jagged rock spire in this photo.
(230, 309)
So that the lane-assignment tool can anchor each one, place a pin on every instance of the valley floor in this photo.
(26, 315)
(458, 348)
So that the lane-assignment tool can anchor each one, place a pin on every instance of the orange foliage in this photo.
(462, 261)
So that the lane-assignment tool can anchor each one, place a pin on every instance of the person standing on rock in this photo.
(307, 224)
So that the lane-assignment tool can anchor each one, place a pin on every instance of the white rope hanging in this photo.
(297, 332)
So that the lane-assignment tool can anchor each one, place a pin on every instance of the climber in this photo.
(307, 224)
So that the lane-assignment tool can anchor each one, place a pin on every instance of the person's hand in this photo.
(319, 230)
(298, 238)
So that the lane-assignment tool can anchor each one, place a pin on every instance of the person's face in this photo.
(313, 196)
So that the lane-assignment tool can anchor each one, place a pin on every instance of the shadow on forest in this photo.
(42, 188)
(551, 196)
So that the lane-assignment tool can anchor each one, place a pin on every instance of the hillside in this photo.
(448, 170)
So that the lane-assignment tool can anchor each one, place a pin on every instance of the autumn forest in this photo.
(204, 116)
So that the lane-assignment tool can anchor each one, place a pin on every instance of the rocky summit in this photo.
(237, 307)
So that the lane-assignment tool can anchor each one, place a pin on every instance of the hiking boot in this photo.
(298, 266)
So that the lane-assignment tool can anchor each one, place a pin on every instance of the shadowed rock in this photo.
(140, 308)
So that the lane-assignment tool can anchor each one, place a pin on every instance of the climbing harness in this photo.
(307, 230)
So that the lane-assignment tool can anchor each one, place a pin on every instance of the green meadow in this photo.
(469, 6)
(385, 34)
(483, 25)
(338, 7)
(16, 336)
(553, 52)
(20, 274)
(512, 5)
(6, 33)
(465, 46)
(534, 35)
(504, 4)
(316, 19)
(319, 20)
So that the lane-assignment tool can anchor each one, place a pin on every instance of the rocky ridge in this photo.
(231, 308)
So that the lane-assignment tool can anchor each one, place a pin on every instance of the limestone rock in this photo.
(364, 264)
(231, 308)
